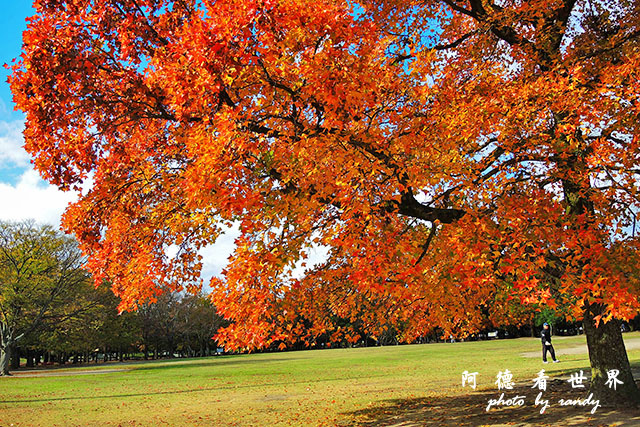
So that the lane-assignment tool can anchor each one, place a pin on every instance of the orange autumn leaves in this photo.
(509, 130)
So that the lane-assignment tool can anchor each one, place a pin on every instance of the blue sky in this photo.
(12, 24)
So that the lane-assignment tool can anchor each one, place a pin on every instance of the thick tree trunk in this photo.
(6, 345)
(606, 354)
(30, 358)
(15, 358)
(532, 326)
(5, 357)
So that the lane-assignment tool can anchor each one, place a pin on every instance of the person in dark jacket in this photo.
(545, 335)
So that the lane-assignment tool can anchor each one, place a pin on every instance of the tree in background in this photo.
(76, 327)
(158, 321)
(87, 327)
(197, 322)
(447, 153)
(40, 269)
(100, 328)
(178, 322)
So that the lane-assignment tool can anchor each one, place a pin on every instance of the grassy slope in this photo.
(293, 388)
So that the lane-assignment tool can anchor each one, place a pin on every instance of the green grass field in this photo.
(321, 387)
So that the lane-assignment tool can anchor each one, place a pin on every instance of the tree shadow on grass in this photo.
(223, 361)
(117, 396)
(220, 387)
(470, 410)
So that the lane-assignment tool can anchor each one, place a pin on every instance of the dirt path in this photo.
(92, 369)
(630, 344)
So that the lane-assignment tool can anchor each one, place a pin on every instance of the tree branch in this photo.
(409, 206)
(455, 43)
(460, 9)
(426, 245)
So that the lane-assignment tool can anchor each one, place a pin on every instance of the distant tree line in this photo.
(177, 325)
(50, 311)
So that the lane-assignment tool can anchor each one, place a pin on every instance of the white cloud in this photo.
(32, 198)
(316, 255)
(215, 257)
(11, 142)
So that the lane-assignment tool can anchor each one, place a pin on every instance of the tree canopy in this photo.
(39, 271)
(457, 158)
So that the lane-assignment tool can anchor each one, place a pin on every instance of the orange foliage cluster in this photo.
(460, 160)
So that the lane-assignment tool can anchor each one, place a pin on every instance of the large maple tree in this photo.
(457, 158)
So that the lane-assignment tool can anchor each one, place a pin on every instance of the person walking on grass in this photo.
(545, 335)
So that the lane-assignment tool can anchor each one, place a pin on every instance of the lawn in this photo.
(405, 385)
